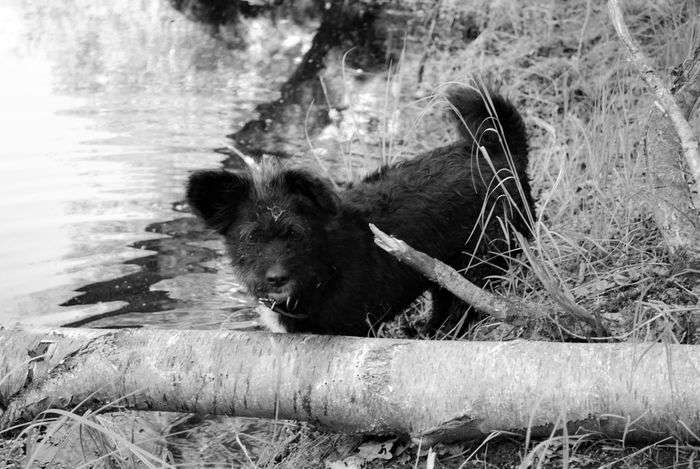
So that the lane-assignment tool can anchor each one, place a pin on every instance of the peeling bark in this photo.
(436, 390)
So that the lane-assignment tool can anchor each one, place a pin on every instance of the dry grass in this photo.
(76, 439)
(587, 113)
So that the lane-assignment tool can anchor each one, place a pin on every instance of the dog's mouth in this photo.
(283, 305)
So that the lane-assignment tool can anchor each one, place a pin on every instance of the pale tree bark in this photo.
(671, 146)
(435, 390)
(511, 310)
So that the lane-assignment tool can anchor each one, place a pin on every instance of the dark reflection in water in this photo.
(187, 281)
(173, 257)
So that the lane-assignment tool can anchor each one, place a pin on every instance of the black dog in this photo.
(307, 250)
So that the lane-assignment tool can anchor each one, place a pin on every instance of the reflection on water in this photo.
(187, 272)
(105, 110)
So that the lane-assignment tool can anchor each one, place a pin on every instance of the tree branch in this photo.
(504, 309)
(688, 141)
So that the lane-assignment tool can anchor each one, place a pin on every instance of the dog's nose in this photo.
(277, 276)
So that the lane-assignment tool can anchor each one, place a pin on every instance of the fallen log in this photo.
(436, 390)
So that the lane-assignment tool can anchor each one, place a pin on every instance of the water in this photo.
(104, 110)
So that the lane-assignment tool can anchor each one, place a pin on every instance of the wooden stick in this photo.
(688, 140)
(504, 309)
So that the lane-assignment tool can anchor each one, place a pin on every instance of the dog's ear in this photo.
(217, 196)
(312, 189)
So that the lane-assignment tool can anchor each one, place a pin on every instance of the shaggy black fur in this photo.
(299, 244)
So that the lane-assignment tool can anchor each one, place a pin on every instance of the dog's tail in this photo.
(487, 118)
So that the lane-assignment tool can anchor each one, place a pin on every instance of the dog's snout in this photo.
(277, 276)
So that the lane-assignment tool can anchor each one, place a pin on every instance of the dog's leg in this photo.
(448, 311)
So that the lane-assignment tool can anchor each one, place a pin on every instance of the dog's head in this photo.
(275, 229)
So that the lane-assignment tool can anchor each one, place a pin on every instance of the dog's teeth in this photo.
(287, 302)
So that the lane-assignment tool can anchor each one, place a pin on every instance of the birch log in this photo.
(436, 390)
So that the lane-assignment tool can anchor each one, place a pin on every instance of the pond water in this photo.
(106, 108)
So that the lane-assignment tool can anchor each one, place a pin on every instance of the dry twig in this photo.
(689, 143)
(508, 310)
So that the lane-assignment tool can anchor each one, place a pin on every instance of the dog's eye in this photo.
(293, 232)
